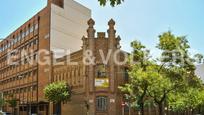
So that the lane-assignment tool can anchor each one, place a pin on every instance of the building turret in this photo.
(90, 46)
(112, 46)
(111, 30)
(91, 31)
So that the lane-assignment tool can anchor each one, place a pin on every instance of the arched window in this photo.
(101, 103)
(101, 71)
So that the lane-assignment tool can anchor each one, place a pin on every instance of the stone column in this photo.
(91, 47)
(111, 37)
(90, 68)
(112, 46)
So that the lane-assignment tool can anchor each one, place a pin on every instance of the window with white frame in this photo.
(101, 103)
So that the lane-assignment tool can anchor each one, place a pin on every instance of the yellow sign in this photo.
(102, 82)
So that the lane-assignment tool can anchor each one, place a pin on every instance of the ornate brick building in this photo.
(94, 72)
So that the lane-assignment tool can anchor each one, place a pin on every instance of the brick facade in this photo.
(20, 80)
(83, 77)
(25, 81)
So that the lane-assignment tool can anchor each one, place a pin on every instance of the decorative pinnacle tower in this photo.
(111, 30)
(91, 31)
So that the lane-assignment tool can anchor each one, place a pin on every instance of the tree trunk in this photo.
(199, 109)
(161, 110)
(142, 108)
(142, 100)
(192, 111)
(58, 108)
(13, 111)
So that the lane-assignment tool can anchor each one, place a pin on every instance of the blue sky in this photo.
(143, 20)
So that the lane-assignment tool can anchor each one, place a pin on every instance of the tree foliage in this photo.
(140, 71)
(112, 2)
(167, 81)
(57, 92)
(191, 99)
(12, 103)
(199, 58)
(2, 101)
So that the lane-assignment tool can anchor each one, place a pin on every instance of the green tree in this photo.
(112, 2)
(136, 89)
(162, 87)
(191, 99)
(12, 103)
(58, 92)
(2, 102)
(158, 79)
(199, 58)
(175, 68)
